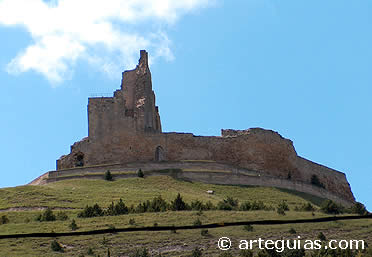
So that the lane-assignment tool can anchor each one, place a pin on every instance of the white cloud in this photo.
(107, 34)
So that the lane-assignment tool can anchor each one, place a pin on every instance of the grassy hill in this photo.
(21, 205)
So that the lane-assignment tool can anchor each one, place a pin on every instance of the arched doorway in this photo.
(159, 154)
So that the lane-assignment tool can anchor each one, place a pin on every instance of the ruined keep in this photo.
(125, 133)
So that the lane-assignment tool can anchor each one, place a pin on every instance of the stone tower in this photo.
(132, 109)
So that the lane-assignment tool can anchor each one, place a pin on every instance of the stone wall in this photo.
(126, 128)
(203, 171)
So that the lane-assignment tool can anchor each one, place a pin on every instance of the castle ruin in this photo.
(125, 133)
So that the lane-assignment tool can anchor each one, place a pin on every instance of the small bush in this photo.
(61, 216)
(158, 204)
(56, 246)
(209, 206)
(283, 205)
(204, 232)
(117, 209)
(248, 227)
(132, 222)
(359, 208)
(197, 205)
(140, 173)
(4, 219)
(197, 222)
(91, 211)
(47, 215)
(307, 207)
(280, 211)
(258, 205)
(108, 176)
(292, 231)
(73, 226)
(246, 206)
(321, 236)
(197, 252)
(178, 204)
(330, 207)
(90, 251)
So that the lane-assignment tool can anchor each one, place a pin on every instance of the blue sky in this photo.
(302, 68)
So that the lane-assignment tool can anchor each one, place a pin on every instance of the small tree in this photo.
(178, 204)
(196, 252)
(248, 227)
(321, 236)
(204, 232)
(108, 176)
(140, 173)
(73, 225)
(330, 207)
(56, 246)
(4, 219)
(47, 215)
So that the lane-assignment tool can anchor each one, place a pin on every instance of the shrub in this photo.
(47, 215)
(4, 219)
(197, 222)
(197, 205)
(321, 236)
(316, 182)
(196, 252)
(117, 209)
(204, 232)
(132, 222)
(158, 204)
(248, 227)
(223, 206)
(140, 173)
(178, 204)
(90, 251)
(330, 207)
(359, 208)
(73, 225)
(233, 202)
(307, 207)
(258, 205)
(246, 206)
(61, 216)
(283, 205)
(292, 231)
(228, 204)
(56, 246)
(280, 211)
(108, 176)
(91, 211)
(209, 206)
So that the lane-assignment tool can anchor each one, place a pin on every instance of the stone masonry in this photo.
(126, 128)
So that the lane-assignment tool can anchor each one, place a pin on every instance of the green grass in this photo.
(72, 195)
(77, 193)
